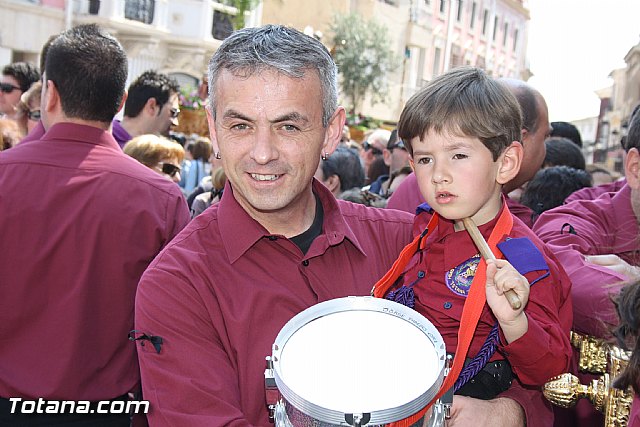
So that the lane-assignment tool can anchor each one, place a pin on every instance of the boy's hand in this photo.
(502, 276)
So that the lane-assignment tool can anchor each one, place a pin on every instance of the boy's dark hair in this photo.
(464, 102)
(149, 84)
(562, 151)
(566, 130)
(345, 163)
(627, 305)
(89, 69)
(551, 186)
(26, 74)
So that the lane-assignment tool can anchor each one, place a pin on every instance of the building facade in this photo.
(179, 36)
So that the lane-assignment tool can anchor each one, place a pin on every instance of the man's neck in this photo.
(133, 126)
(287, 222)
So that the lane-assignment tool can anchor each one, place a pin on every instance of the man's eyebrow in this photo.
(293, 117)
(233, 114)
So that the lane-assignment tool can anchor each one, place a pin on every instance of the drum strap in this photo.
(471, 311)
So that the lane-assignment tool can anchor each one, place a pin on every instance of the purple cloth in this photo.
(223, 288)
(119, 133)
(590, 193)
(606, 225)
(81, 223)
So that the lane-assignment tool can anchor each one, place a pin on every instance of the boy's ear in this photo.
(510, 161)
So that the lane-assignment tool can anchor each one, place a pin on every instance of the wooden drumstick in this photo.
(486, 253)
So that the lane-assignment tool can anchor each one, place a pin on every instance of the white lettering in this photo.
(13, 401)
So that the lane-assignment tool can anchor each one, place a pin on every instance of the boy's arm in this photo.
(544, 350)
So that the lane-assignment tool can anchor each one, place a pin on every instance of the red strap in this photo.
(470, 312)
(383, 285)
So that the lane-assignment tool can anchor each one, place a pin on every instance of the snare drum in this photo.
(355, 361)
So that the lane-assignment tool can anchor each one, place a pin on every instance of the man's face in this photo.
(396, 157)
(167, 116)
(268, 128)
(9, 94)
(533, 146)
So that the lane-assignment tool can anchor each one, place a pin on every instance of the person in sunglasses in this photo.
(157, 153)
(371, 150)
(152, 107)
(16, 79)
(29, 109)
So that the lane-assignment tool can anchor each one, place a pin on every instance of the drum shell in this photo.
(299, 411)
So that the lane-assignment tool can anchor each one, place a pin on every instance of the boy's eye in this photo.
(424, 160)
(460, 156)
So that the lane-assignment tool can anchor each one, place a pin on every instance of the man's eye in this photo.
(290, 128)
(240, 126)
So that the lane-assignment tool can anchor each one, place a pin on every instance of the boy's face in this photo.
(458, 177)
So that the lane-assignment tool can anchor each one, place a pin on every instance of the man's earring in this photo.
(325, 156)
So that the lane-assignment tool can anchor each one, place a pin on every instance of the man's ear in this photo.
(333, 135)
(510, 161)
(386, 156)
(632, 168)
(52, 97)
(333, 183)
(212, 129)
(150, 106)
(124, 99)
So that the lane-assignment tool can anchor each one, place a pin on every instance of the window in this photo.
(495, 28)
(443, 6)
(506, 33)
(459, 15)
(436, 62)
(515, 39)
(472, 21)
(485, 22)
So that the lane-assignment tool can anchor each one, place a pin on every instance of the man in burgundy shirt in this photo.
(81, 221)
(535, 129)
(209, 307)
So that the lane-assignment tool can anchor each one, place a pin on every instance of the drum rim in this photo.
(359, 303)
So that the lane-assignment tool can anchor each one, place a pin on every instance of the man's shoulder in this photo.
(358, 212)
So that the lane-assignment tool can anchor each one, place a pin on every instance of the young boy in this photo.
(462, 133)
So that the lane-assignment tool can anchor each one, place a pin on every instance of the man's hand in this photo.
(500, 412)
(615, 263)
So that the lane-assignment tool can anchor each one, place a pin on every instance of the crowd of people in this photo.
(161, 268)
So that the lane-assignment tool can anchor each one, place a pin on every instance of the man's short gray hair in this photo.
(275, 47)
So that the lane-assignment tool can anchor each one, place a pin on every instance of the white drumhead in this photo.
(359, 361)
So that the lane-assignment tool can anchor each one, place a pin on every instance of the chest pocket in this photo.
(524, 256)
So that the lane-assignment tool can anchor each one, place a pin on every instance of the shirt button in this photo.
(447, 305)
(272, 238)
(420, 274)
(305, 262)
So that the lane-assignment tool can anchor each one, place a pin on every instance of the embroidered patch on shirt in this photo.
(459, 278)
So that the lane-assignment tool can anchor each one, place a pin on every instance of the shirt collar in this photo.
(240, 232)
(625, 219)
(81, 133)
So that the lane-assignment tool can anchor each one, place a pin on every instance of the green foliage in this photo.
(364, 58)
(242, 6)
